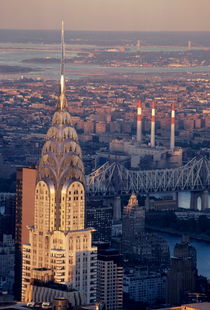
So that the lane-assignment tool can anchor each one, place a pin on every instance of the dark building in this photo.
(139, 247)
(133, 224)
(142, 285)
(182, 275)
(7, 244)
(184, 249)
(7, 214)
(99, 216)
(152, 251)
(7, 261)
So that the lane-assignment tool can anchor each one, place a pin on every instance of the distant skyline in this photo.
(110, 15)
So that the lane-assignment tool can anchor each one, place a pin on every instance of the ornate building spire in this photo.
(62, 48)
(133, 201)
(62, 102)
(61, 158)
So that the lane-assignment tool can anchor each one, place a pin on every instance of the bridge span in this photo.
(112, 178)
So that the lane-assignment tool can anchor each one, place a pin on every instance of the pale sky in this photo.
(122, 15)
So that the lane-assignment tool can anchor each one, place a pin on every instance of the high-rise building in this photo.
(24, 216)
(25, 189)
(110, 278)
(60, 248)
(7, 213)
(144, 286)
(7, 263)
(139, 246)
(99, 216)
(133, 223)
(182, 275)
(185, 249)
(181, 279)
(152, 251)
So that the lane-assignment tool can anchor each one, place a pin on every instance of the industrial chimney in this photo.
(152, 141)
(172, 140)
(139, 122)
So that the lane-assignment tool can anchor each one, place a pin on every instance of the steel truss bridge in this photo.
(114, 179)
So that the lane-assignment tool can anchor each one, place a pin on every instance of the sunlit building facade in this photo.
(60, 248)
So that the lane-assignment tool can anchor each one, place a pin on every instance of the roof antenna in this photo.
(62, 99)
(62, 57)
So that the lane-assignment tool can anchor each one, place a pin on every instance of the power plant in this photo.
(136, 153)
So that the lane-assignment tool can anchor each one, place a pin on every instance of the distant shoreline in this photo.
(8, 69)
(108, 38)
(198, 237)
(44, 60)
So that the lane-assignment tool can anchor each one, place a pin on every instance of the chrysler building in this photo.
(60, 247)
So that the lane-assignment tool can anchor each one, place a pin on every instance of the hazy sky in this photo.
(141, 15)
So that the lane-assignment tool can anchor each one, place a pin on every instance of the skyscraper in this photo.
(139, 246)
(183, 273)
(133, 223)
(110, 278)
(25, 188)
(60, 248)
(99, 216)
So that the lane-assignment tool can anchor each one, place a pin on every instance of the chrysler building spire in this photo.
(62, 48)
(62, 102)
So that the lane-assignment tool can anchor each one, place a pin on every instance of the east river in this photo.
(202, 248)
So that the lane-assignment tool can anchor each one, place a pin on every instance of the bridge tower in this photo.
(203, 195)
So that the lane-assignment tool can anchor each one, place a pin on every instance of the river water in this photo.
(14, 54)
(202, 247)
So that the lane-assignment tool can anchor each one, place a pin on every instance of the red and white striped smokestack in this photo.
(139, 122)
(152, 138)
(172, 140)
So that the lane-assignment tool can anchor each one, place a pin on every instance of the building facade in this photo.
(145, 286)
(99, 216)
(25, 190)
(182, 275)
(7, 213)
(151, 250)
(110, 279)
(7, 263)
(24, 216)
(133, 224)
(39, 291)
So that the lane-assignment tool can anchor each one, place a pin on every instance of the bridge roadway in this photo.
(114, 179)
